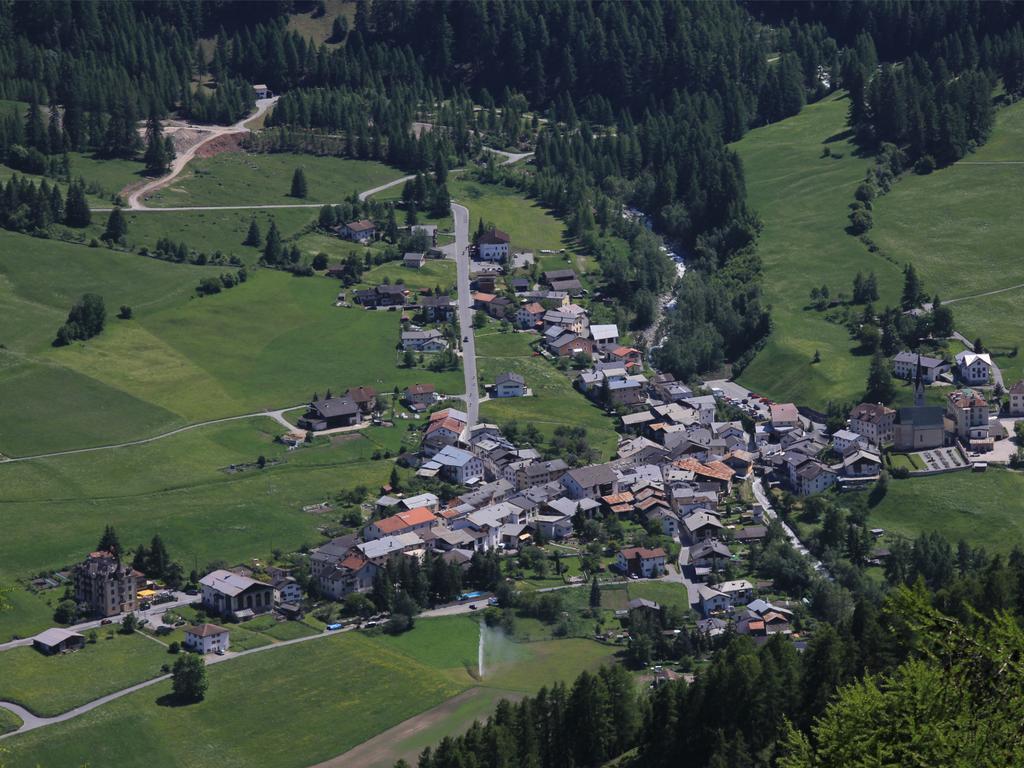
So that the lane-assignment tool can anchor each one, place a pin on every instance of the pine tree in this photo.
(157, 558)
(252, 237)
(913, 290)
(879, 386)
(595, 593)
(299, 187)
(155, 156)
(109, 541)
(272, 250)
(117, 227)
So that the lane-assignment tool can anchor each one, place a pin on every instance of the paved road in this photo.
(460, 215)
(275, 415)
(798, 545)
(136, 197)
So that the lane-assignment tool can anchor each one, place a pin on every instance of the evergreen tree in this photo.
(117, 227)
(273, 249)
(252, 237)
(157, 559)
(76, 207)
(155, 156)
(109, 541)
(913, 290)
(595, 593)
(299, 187)
(879, 387)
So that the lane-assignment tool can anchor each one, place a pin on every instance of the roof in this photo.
(927, 416)
(872, 412)
(845, 434)
(453, 457)
(533, 308)
(639, 602)
(709, 547)
(414, 257)
(913, 357)
(484, 297)
(494, 237)
(259, 86)
(968, 359)
(389, 544)
(610, 331)
(420, 389)
(509, 377)
(751, 533)
(784, 412)
(205, 630)
(642, 552)
(1018, 388)
(228, 583)
(55, 636)
(335, 406)
(594, 474)
(715, 470)
(401, 520)
(967, 398)
(560, 274)
(361, 394)
(360, 226)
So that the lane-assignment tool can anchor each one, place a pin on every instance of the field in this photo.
(332, 694)
(268, 343)
(554, 402)
(967, 214)
(8, 722)
(243, 178)
(983, 509)
(52, 510)
(434, 273)
(49, 685)
(802, 198)
(664, 593)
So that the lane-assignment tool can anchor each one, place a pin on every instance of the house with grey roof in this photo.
(330, 413)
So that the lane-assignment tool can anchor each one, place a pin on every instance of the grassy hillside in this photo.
(960, 227)
(982, 509)
(241, 178)
(802, 198)
(267, 343)
(287, 707)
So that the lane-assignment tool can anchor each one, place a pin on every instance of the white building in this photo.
(606, 337)
(1017, 399)
(207, 638)
(904, 366)
(974, 368)
(493, 246)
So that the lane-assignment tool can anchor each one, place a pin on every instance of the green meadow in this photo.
(49, 685)
(243, 178)
(802, 198)
(983, 509)
(268, 343)
(554, 401)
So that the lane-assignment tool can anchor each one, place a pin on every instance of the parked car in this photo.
(104, 622)
(333, 627)
(472, 606)
(219, 651)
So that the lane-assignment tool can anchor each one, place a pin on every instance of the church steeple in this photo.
(919, 384)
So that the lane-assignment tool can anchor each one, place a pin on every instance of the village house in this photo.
(485, 283)
(286, 590)
(1017, 399)
(493, 245)
(414, 260)
(235, 597)
(712, 600)
(709, 553)
(565, 280)
(905, 365)
(351, 573)
(569, 344)
(331, 413)
(540, 473)
(968, 412)
(974, 369)
(445, 428)
(591, 482)
(58, 640)
(641, 562)
(419, 397)
(572, 318)
(509, 384)
(701, 525)
(362, 231)
(383, 295)
(875, 422)
(105, 585)
(431, 340)
(379, 551)
(812, 476)
(456, 465)
(261, 91)
(437, 308)
(845, 439)
(417, 520)
(784, 416)
(529, 315)
(606, 337)
(364, 397)
(861, 464)
(627, 357)
(206, 638)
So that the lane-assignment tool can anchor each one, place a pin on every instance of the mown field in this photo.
(554, 401)
(268, 343)
(339, 692)
(960, 227)
(243, 178)
(53, 510)
(49, 685)
(802, 198)
(343, 690)
(8, 721)
(983, 509)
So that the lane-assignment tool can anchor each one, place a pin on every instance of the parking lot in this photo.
(730, 389)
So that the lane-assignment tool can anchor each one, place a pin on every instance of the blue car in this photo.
(332, 627)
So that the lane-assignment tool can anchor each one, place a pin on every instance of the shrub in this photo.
(924, 165)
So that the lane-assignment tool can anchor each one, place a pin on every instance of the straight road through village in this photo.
(460, 215)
